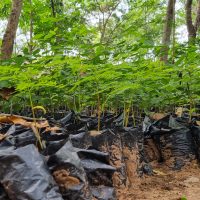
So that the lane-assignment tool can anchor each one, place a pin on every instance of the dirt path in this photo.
(165, 187)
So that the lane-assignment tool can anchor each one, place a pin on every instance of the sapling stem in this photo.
(190, 110)
(11, 108)
(74, 103)
(79, 95)
(116, 105)
(92, 106)
(133, 114)
(124, 110)
(127, 116)
(99, 113)
(52, 109)
(38, 135)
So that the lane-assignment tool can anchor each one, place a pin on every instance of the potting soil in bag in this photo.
(133, 151)
(152, 151)
(116, 159)
(69, 174)
(177, 147)
(25, 175)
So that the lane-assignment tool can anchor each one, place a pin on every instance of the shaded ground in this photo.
(170, 186)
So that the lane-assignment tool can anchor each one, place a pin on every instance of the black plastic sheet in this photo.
(16, 129)
(196, 135)
(146, 124)
(92, 154)
(100, 142)
(24, 174)
(178, 122)
(25, 138)
(69, 117)
(52, 147)
(81, 140)
(4, 128)
(52, 136)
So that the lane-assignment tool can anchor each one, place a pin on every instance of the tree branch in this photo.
(104, 25)
(194, 10)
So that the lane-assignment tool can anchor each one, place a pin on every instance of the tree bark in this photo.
(190, 26)
(10, 34)
(31, 28)
(174, 31)
(167, 30)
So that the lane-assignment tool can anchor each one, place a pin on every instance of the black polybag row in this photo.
(74, 165)
(171, 140)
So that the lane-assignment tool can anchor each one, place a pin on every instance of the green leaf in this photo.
(183, 198)
(25, 51)
(37, 36)
(180, 60)
(164, 81)
(146, 111)
(17, 107)
(148, 42)
(48, 36)
(4, 83)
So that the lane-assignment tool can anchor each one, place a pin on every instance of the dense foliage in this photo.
(99, 54)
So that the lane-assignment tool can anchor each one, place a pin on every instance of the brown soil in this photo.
(151, 150)
(63, 178)
(116, 156)
(131, 161)
(104, 149)
(169, 186)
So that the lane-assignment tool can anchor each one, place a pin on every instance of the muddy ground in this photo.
(164, 185)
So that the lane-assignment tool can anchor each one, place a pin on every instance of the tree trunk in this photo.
(167, 29)
(173, 35)
(31, 28)
(10, 34)
(192, 28)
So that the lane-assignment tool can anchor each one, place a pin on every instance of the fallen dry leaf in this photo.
(159, 173)
(95, 132)
(53, 128)
(3, 136)
(179, 111)
(7, 92)
(18, 120)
